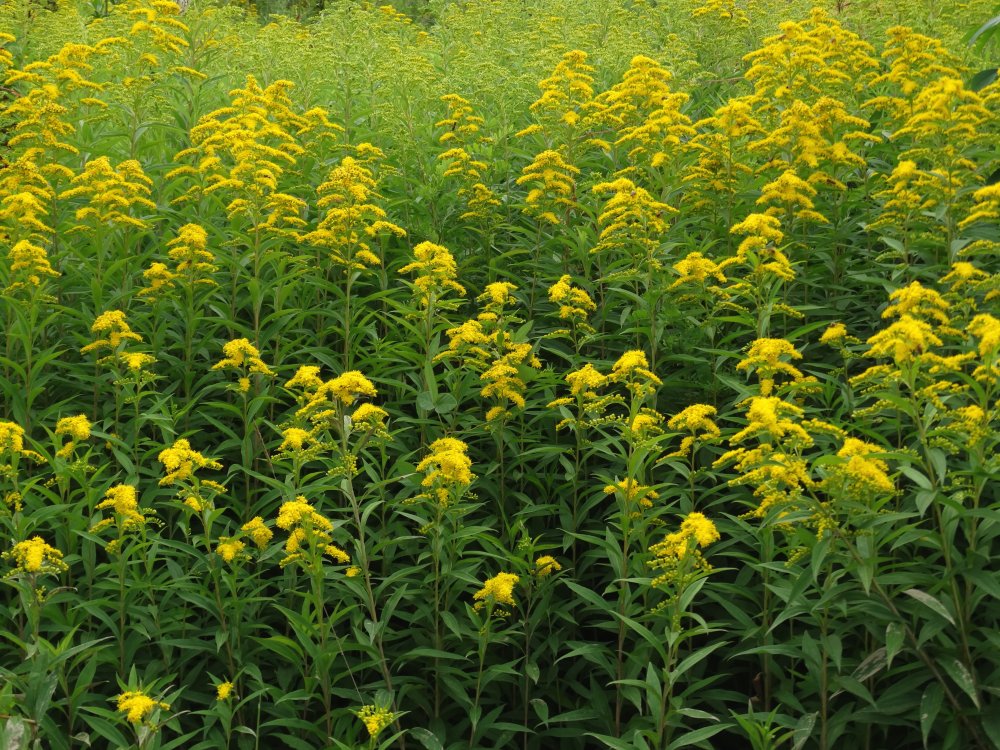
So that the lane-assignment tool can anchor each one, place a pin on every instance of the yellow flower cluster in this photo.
(137, 707)
(35, 557)
(258, 532)
(244, 357)
(111, 193)
(77, 429)
(122, 500)
(575, 305)
(376, 719)
(565, 94)
(324, 402)
(436, 273)
(859, 475)
(631, 492)
(678, 555)
(721, 147)
(808, 60)
(497, 592)
(463, 135)
(769, 358)
(113, 333)
(485, 345)
(631, 222)
(244, 149)
(192, 262)
(309, 535)
(546, 565)
(646, 114)
(697, 421)
(29, 264)
(447, 471)
(352, 218)
(552, 195)
(181, 462)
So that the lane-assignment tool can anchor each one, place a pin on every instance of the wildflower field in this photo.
(500, 374)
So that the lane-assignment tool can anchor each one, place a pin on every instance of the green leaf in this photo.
(426, 738)
(962, 677)
(894, 634)
(930, 706)
(930, 602)
(697, 735)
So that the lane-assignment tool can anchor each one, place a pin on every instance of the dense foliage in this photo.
(573, 373)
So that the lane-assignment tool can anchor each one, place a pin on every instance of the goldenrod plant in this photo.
(574, 373)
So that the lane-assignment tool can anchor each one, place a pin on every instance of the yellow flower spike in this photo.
(346, 388)
(376, 719)
(77, 429)
(241, 355)
(369, 417)
(697, 420)
(115, 329)
(136, 361)
(224, 691)
(352, 216)
(834, 334)
(919, 302)
(696, 268)
(258, 532)
(859, 475)
(111, 193)
(809, 59)
(499, 590)
(904, 340)
(914, 60)
(631, 221)
(306, 377)
(632, 370)
(774, 418)
(767, 357)
(790, 193)
(447, 470)
(29, 265)
(294, 439)
(546, 565)
(309, 534)
(34, 556)
(436, 273)
(678, 554)
(137, 707)
(633, 492)
(230, 549)
(552, 191)
(181, 462)
(574, 303)
(585, 381)
(565, 94)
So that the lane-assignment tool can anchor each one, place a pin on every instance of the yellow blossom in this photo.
(258, 531)
(436, 273)
(138, 707)
(35, 556)
(224, 690)
(229, 549)
(499, 590)
(242, 355)
(376, 719)
(115, 328)
(546, 565)
(181, 462)
(767, 357)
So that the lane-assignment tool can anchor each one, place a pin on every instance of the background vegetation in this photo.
(492, 374)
